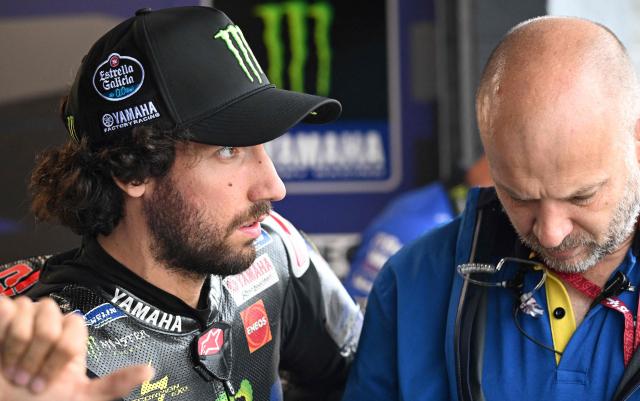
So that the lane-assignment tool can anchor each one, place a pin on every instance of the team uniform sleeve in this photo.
(374, 372)
(321, 327)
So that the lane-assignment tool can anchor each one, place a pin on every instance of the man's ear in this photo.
(134, 189)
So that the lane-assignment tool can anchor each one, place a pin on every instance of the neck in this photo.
(130, 245)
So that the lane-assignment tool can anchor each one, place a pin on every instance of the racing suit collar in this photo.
(92, 266)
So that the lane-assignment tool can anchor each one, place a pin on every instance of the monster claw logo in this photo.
(92, 347)
(71, 127)
(245, 393)
(297, 16)
(233, 34)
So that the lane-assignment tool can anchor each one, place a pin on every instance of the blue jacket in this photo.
(413, 342)
(405, 218)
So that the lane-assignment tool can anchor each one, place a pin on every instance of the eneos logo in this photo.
(118, 77)
(256, 325)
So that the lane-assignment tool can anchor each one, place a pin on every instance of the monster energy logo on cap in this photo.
(232, 37)
(71, 127)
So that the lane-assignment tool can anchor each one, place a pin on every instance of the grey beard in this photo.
(621, 227)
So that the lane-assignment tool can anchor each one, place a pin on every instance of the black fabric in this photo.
(183, 68)
(495, 238)
(92, 267)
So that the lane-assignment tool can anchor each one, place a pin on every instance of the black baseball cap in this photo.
(183, 68)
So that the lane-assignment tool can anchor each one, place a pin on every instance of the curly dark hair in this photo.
(74, 184)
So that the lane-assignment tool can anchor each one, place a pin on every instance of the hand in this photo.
(43, 356)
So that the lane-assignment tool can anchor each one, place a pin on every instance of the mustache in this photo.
(569, 242)
(256, 210)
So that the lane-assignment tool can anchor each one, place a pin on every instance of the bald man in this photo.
(531, 293)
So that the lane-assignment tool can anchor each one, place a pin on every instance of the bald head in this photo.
(542, 63)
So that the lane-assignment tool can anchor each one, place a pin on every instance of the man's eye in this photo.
(227, 152)
(582, 200)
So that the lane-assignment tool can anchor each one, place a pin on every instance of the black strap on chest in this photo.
(493, 235)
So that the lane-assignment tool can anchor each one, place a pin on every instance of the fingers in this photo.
(17, 335)
(7, 312)
(119, 384)
(71, 344)
(37, 341)
(46, 332)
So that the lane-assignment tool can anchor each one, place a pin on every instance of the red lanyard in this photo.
(631, 337)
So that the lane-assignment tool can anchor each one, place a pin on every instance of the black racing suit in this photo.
(287, 312)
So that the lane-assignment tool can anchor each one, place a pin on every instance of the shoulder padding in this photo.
(294, 242)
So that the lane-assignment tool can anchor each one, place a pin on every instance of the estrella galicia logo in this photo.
(118, 77)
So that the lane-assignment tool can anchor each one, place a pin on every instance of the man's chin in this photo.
(575, 264)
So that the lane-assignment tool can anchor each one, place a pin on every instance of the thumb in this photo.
(119, 384)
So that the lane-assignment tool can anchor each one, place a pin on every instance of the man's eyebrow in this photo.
(588, 189)
(510, 192)
(583, 191)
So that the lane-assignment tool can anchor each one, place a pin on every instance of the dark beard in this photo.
(182, 240)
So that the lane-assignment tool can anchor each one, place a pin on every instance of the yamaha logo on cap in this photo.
(118, 77)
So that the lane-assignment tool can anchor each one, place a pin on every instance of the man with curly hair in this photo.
(183, 266)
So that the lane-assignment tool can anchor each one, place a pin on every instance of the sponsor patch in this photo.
(211, 342)
(122, 345)
(263, 240)
(257, 278)
(118, 77)
(129, 117)
(102, 315)
(256, 325)
(146, 313)
(244, 393)
(160, 390)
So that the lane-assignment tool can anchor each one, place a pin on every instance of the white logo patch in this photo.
(146, 313)
(129, 117)
(257, 278)
(118, 77)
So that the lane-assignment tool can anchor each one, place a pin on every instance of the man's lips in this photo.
(564, 254)
(253, 229)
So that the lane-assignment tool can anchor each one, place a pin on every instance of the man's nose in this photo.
(552, 224)
(267, 184)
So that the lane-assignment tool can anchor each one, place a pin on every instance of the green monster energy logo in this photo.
(92, 346)
(232, 37)
(71, 127)
(297, 15)
(245, 393)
